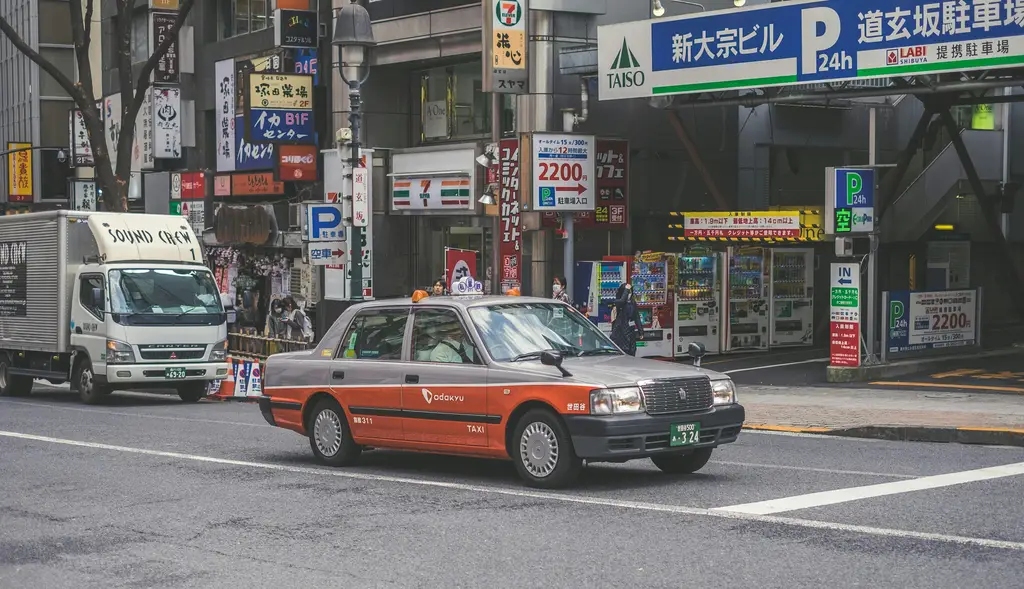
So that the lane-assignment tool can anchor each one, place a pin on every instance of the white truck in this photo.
(107, 301)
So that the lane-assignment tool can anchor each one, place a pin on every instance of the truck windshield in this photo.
(521, 331)
(165, 296)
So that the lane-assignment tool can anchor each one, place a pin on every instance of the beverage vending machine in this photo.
(698, 304)
(792, 292)
(653, 280)
(594, 288)
(747, 290)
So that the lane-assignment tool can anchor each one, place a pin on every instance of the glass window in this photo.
(161, 295)
(520, 331)
(438, 336)
(375, 335)
(241, 17)
(64, 59)
(57, 16)
(140, 37)
(86, 297)
(453, 104)
(472, 108)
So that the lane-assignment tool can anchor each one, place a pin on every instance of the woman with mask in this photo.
(275, 329)
(626, 313)
(558, 290)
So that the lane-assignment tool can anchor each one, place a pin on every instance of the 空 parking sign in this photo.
(799, 42)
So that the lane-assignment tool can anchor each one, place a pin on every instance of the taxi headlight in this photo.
(119, 353)
(723, 391)
(618, 400)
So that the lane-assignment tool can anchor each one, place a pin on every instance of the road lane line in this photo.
(936, 385)
(881, 490)
(783, 365)
(129, 414)
(812, 469)
(550, 496)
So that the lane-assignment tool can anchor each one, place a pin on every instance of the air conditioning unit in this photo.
(294, 217)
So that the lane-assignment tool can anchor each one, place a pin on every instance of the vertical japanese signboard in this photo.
(849, 201)
(280, 108)
(509, 218)
(166, 70)
(507, 48)
(224, 78)
(167, 123)
(844, 316)
(81, 148)
(19, 173)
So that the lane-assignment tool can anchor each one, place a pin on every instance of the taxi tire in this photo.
(683, 464)
(568, 466)
(349, 451)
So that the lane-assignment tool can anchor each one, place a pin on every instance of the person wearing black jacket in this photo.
(626, 312)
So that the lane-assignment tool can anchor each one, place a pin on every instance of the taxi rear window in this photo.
(375, 335)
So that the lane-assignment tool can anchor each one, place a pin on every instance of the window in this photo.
(89, 302)
(57, 16)
(140, 37)
(375, 335)
(241, 17)
(520, 331)
(453, 104)
(438, 336)
(64, 59)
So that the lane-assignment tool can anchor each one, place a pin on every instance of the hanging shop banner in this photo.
(306, 61)
(251, 156)
(458, 264)
(338, 277)
(612, 210)
(296, 163)
(163, 4)
(435, 119)
(81, 148)
(280, 91)
(508, 71)
(361, 197)
(188, 185)
(509, 218)
(844, 316)
(224, 77)
(193, 210)
(13, 278)
(142, 140)
(742, 224)
(921, 321)
(295, 28)
(563, 172)
(222, 185)
(849, 201)
(112, 123)
(814, 41)
(271, 61)
(83, 195)
(276, 125)
(429, 193)
(255, 184)
(160, 25)
(167, 123)
(20, 173)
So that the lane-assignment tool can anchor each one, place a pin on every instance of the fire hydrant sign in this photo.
(563, 172)
(844, 315)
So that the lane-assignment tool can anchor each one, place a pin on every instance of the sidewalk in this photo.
(983, 418)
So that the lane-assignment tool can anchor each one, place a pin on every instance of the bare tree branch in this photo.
(82, 39)
(73, 91)
(87, 27)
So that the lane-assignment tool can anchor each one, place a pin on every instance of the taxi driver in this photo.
(451, 346)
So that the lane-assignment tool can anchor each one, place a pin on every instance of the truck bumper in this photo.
(155, 375)
(617, 438)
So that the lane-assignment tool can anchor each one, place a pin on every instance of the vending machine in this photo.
(653, 281)
(747, 292)
(594, 288)
(792, 295)
(698, 304)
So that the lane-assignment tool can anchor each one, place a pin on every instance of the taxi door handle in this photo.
(412, 378)
(338, 374)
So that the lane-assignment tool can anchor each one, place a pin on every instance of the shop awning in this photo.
(773, 226)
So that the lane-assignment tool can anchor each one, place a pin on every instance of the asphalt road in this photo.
(150, 492)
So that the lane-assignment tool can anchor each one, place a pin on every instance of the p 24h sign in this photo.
(324, 222)
(808, 41)
(849, 201)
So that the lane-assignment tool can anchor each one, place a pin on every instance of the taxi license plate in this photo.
(175, 373)
(684, 434)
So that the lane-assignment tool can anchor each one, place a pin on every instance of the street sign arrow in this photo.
(578, 189)
(845, 281)
(337, 253)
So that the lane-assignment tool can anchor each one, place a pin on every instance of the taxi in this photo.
(506, 377)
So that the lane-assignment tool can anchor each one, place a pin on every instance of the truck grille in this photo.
(663, 396)
(172, 352)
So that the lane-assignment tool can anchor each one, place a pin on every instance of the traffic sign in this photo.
(563, 172)
(850, 200)
(324, 222)
(844, 315)
(327, 253)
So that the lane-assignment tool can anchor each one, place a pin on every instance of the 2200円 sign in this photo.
(923, 320)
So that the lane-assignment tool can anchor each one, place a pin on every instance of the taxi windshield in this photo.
(521, 331)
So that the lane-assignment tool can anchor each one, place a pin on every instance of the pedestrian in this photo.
(558, 292)
(297, 325)
(276, 328)
(625, 312)
(438, 289)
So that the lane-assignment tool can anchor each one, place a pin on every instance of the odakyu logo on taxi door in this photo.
(430, 397)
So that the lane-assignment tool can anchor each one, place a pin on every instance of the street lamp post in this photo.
(353, 36)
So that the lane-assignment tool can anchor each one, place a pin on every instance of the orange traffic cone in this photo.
(227, 386)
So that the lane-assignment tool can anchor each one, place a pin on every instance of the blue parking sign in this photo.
(324, 222)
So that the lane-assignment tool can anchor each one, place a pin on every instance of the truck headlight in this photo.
(219, 353)
(619, 400)
(119, 353)
(723, 391)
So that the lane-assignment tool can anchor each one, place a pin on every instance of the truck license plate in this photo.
(175, 373)
(684, 434)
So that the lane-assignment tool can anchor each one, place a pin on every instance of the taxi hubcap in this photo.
(327, 432)
(539, 449)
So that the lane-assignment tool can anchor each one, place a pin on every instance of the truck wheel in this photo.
(85, 379)
(330, 436)
(12, 385)
(543, 452)
(685, 464)
(192, 392)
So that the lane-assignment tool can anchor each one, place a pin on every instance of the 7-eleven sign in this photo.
(509, 12)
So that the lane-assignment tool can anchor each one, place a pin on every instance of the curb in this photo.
(867, 373)
(986, 436)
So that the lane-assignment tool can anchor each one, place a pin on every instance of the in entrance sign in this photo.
(844, 315)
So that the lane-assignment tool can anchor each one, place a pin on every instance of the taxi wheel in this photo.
(542, 451)
(685, 464)
(329, 435)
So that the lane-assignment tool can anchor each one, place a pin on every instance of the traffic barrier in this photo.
(256, 346)
(244, 380)
(224, 389)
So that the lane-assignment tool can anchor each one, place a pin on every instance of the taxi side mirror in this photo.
(696, 351)
(550, 358)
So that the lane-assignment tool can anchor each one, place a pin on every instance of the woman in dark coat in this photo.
(626, 313)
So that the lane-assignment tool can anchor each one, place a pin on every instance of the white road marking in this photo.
(866, 492)
(129, 414)
(775, 366)
(549, 496)
(821, 470)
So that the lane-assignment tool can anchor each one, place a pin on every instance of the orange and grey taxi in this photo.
(526, 379)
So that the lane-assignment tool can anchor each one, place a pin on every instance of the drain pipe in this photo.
(570, 119)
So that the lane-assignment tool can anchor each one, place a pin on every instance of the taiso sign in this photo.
(808, 41)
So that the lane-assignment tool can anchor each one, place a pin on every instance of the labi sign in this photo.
(625, 71)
